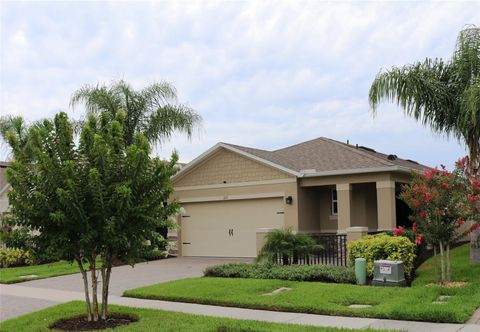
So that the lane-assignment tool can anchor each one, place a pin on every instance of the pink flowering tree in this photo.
(438, 203)
(472, 184)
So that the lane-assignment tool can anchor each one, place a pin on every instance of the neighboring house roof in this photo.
(317, 157)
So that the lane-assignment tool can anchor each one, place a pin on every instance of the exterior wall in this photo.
(344, 179)
(228, 167)
(364, 205)
(308, 210)
(3, 190)
(242, 191)
(328, 221)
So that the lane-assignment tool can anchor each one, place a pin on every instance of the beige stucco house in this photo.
(4, 186)
(233, 195)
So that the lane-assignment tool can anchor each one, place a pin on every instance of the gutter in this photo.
(359, 171)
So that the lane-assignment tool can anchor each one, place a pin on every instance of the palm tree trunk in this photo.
(85, 288)
(474, 171)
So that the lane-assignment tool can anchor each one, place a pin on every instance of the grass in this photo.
(413, 303)
(153, 320)
(10, 275)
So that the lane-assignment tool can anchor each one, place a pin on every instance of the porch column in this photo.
(344, 199)
(386, 211)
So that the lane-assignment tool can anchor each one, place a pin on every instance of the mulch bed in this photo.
(80, 323)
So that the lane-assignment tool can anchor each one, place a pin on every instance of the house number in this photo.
(230, 232)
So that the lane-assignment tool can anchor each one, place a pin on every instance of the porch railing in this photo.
(333, 251)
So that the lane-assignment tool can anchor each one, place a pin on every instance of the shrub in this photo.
(383, 246)
(14, 257)
(324, 273)
(285, 244)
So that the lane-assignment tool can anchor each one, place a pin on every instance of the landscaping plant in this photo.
(437, 200)
(442, 94)
(383, 246)
(96, 199)
(286, 246)
(322, 273)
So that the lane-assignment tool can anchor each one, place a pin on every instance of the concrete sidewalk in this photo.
(61, 296)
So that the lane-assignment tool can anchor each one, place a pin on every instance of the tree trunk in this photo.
(475, 246)
(85, 288)
(449, 273)
(442, 262)
(106, 272)
(93, 272)
(473, 170)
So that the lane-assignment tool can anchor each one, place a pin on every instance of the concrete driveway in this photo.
(123, 278)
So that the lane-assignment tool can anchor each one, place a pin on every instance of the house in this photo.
(233, 195)
(3, 186)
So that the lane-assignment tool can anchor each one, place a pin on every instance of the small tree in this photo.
(437, 200)
(96, 200)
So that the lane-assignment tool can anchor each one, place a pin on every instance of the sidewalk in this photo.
(61, 296)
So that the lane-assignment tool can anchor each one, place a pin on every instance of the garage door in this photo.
(228, 228)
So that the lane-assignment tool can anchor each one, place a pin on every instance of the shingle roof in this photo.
(324, 154)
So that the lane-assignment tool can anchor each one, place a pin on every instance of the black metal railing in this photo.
(332, 251)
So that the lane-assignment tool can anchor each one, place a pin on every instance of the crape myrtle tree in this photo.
(92, 201)
(438, 199)
(445, 95)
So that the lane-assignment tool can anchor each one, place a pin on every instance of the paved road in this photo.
(123, 278)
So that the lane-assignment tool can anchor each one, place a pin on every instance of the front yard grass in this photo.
(414, 303)
(10, 275)
(152, 320)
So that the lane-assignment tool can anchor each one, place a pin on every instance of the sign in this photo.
(385, 269)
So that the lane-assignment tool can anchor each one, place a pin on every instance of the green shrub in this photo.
(14, 257)
(324, 273)
(383, 246)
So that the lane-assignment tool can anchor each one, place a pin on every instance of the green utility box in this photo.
(361, 271)
(389, 273)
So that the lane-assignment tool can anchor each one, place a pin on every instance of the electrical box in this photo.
(388, 273)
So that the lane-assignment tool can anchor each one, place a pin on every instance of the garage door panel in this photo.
(228, 228)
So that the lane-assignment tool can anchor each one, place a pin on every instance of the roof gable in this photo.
(222, 165)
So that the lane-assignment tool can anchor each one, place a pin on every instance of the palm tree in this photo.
(153, 110)
(444, 95)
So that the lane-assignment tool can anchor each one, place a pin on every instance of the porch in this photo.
(332, 208)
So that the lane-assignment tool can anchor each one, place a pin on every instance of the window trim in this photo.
(334, 201)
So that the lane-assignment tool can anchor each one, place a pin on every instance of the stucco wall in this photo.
(229, 167)
(364, 205)
(308, 210)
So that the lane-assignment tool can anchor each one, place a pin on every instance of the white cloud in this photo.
(265, 74)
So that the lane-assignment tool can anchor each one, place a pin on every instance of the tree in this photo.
(93, 202)
(154, 111)
(444, 95)
(438, 202)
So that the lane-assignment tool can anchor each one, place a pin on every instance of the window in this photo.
(334, 202)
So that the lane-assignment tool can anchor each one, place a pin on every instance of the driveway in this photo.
(123, 278)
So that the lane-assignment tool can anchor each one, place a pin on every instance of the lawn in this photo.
(10, 275)
(414, 303)
(152, 320)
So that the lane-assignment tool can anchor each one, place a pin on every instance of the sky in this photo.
(264, 74)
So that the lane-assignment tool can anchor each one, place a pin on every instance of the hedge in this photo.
(324, 273)
(14, 257)
(383, 246)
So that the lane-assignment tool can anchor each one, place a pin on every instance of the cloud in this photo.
(266, 74)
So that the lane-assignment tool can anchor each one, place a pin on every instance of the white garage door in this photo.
(228, 228)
